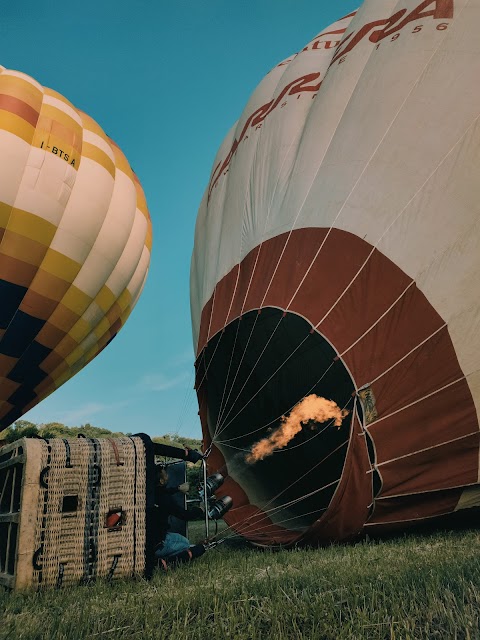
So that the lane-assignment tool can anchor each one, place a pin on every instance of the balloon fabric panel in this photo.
(75, 240)
(347, 196)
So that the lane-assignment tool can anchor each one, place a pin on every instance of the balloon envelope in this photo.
(75, 239)
(336, 254)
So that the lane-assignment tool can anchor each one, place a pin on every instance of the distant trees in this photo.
(176, 440)
(26, 429)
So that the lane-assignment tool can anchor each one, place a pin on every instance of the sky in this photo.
(166, 81)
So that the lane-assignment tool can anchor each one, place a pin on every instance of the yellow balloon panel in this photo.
(75, 241)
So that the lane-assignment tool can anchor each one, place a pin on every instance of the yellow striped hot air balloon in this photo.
(75, 241)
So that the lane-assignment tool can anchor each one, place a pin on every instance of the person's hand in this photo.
(192, 455)
(184, 488)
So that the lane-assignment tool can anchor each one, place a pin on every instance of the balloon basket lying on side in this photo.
(73, 510)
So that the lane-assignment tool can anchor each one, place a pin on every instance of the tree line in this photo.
(26, 429)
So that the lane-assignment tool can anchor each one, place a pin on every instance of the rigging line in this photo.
(257, 257)
(186, 397)
(211, 312)
(443, 326)
(378, 320)
(231, 358)
(220, 416)
(228, 373)
(297, 501)
(411, 404)
(221, 427)
(234, 534)
(249, 433)
(224, 426)
(188, 409)
(365, 167)
(435, 446)
(338, 448)
(280, 493)
(284, 448)
(349, 195)
(273, 374)
(260, 518)
(318, 433)
(394, 220)
(221, 334)
(204, 353)
(207, 366)
(231, 446)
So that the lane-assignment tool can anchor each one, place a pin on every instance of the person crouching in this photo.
(172, 546)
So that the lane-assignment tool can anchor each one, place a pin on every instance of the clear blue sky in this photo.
(165, 80)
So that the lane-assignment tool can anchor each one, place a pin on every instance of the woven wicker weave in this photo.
(72, 511)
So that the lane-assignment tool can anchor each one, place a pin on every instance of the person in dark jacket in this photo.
(171, 545)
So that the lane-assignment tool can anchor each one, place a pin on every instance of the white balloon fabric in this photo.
(344, 206)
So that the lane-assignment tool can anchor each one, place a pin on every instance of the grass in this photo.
(409, 587)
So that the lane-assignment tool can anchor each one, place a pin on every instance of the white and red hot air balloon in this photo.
(337, 254)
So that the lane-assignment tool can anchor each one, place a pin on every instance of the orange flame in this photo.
(310, 408)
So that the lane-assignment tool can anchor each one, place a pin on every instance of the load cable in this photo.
(348, 197)
(372, 251)
(280, 493)
(318, 464)
(264, 233)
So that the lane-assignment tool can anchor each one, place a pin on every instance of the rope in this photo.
(290, 504)
(228, 372)
(365, 333)
(411, 404)
(266, 511)
(435, 446)
(218, 428)
(267, 526)
(386, 231)
(224, 426)
(262, 428)
(280, 493)
(186, 401)
(342, 208)
(344, 203)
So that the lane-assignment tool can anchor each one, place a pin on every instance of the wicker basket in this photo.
(73, 510)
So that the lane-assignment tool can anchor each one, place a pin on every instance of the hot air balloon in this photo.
(75, 239)
(337, 255)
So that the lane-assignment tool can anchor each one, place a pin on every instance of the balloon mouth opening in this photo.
(258, 369)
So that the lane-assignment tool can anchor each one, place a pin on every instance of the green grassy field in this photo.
(415, 586)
